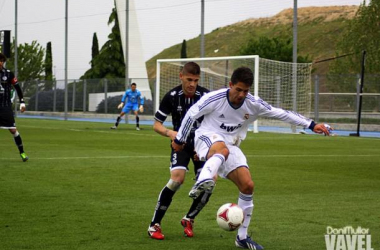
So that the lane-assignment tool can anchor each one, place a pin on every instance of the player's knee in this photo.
(225, 152)
(174, 185)
(248, 187)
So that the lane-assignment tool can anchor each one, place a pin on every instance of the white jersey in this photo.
(231, 122)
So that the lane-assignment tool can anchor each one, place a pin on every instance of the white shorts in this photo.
(235, 159)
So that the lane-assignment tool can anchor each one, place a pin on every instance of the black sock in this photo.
(117, 121)
(198, 205)
(163, 204)
(137, 121)
(18, 142)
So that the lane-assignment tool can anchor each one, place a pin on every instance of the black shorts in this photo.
(181, 160)
(7, 120)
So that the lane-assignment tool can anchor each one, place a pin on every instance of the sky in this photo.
(162, 23)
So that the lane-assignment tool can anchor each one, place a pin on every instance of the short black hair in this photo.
(133, 84)
(242, 74)
(3, 58)
(191, 68)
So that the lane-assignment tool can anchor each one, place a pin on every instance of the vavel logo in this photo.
(230, 128)
(348, 238)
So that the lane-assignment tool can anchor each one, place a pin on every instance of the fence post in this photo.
(316, 98)
(73, 101)
(36, 104)
(105, 96)
(84, 95)
(278, 91)
(55, 96)
(357, 92)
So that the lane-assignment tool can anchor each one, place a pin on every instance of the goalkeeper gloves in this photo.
(22, 107)
(121, 105)
(141, 108)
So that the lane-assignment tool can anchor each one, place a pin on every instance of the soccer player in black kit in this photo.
(7, 121)
(177, 102)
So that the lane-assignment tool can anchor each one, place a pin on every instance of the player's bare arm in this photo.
(159, 128)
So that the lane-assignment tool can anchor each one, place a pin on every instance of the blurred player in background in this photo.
(227, 114)
(7, 121)
(133, 95)
(177, 102)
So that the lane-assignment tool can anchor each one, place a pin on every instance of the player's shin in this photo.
(198, 205)
(211, 167)
(246, 203)
(137, 121)
(164, 201)
(117, 121)
(18, 142)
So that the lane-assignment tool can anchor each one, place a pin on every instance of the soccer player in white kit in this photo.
(227, 114)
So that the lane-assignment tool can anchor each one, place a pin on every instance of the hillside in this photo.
(319, 29)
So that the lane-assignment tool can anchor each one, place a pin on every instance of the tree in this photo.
(30, 64)
(184, 49)
(110, 61)
(95, 49)
(271, 48)
(48, 67)
(362, 33)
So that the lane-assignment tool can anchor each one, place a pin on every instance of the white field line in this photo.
(166, 156)
(95, 131)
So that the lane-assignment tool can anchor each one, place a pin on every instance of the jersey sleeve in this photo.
(204, 106)
(141, 99)
(14, 80)
(266, 110)
(124, 96)
(164, 110)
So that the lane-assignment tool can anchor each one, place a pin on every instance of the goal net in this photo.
(282, 84)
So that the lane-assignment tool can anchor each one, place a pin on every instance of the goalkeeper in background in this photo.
(7, 121)
(133, 95)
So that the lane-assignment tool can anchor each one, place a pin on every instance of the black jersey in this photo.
(177, 104)
(8, 80)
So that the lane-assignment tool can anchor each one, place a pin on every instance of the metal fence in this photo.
(337, 96)
(91, 96)
(333, 97)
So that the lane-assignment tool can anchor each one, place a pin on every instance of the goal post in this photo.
(273, 82)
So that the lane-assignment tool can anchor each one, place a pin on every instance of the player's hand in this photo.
(196, 157)
(177, 147)
(141, 109)
(171, 134)
(22, 107)
(121, 105)
(321, 128)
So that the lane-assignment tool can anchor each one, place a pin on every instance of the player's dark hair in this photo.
(242, 74)
(133, 84)
(191, 68)
(3, 58)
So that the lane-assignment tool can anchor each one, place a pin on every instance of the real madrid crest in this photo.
(246, 116)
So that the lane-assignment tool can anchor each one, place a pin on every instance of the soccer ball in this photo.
(230, 217)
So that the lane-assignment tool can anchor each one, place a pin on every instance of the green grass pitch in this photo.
(89, 187)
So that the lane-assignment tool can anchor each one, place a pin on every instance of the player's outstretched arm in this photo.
(321, 128)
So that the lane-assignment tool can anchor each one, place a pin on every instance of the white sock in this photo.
(246, 203)
(210, 169)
